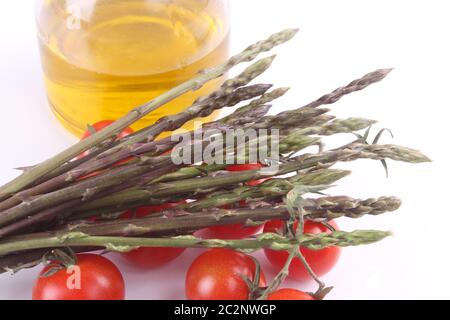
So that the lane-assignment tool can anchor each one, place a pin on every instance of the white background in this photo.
(339, 41)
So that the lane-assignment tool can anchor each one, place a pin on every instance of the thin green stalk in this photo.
(125, 244)
(28, 177)
(102, 162)
(282, 275)
(122, 200)
(270, 188)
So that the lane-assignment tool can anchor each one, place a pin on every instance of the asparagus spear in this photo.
(325, 208)
(271, 188)
(126, 244)
(28, 177)
(117, 177)
(16, 262)
(54, 185)
(305, 116)
(353, 86)
(70, 197)
(330, 208)
(99, 163)
(271, 121)
(185, 222)
(123, 200)
(268, 121)
(246, 115)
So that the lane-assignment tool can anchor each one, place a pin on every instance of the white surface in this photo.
(339, 41)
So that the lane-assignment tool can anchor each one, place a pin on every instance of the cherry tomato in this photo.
(219, 274)
(289, 294)
(248, 167)
(321, 261)
(93, 278)
(150, 258)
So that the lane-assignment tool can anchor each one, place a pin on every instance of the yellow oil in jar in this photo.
(101, 60)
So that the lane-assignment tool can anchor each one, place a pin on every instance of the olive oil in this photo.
(105, 57)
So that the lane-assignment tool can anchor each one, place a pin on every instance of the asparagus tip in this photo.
(292, 32)
(383, 73)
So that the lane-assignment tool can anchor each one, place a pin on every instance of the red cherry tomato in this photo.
(321, 261)
(150, 258)
(289, 294)
(219, 274)
(93, 278)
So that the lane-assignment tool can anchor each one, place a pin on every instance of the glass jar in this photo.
(102, 58)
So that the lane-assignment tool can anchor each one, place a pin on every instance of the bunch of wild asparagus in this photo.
(48, 206)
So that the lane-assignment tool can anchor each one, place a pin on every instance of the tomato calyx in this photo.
(57, 260)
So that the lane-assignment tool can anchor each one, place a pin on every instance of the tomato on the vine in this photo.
(320, 261)
(219, 274)
(92, 278)
(289, 294)
(149, 258)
